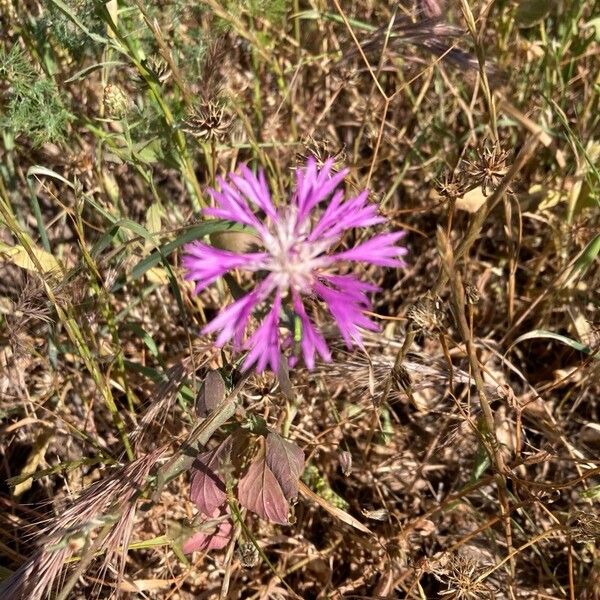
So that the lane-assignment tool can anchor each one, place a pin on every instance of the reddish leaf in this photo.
(260, 492)
(286, 461)
(213, 536)
(208, 487)
(211, 393)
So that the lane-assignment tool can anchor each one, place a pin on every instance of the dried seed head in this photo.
(208, 122)
(117, 103)
(401, 378)
(472, 294)
(451, 187)
(364, 377)
(381, 514)
(158, 68)
(461, 576)
(585, 527)
(427, 314)
(345, 459)
(248, 555)
(108, 503)
(320, 149)
(431, 8)
(488, 169)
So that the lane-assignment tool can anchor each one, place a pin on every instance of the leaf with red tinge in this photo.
(286, 461)
(208, 488)
(260, 492)
(213, 538)
(211, 393)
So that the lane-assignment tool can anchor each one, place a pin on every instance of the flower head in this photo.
(297, 260)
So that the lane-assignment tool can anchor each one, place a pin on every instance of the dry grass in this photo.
(471, 420)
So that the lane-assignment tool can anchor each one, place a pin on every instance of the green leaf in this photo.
(91, 68)
(195, 232)
(482, 464)
(153, 218)
(563, 339)
(145, 337)
(588, 256)
(594, 24)
(40, 170)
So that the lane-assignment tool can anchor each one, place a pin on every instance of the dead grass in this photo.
(471, 419)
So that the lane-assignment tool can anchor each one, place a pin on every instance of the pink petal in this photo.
(205, 264)
(314, 186)
(255, 189)
(379, 250)
(231, 322)
(264, 344)
(339, 217)
(347, 313)
(230, 205)
(311, 340)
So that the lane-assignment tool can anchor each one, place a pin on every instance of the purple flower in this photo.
(297, 261)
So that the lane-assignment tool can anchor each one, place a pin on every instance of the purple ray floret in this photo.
(296, 260)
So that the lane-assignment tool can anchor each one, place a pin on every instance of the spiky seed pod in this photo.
(208, 122)
(158, 68)
(321, 150)
(461, 577)
(451, 187)
(117, 103)
(488, 169)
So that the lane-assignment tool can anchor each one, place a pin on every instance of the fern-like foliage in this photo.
(32, 105)
(66, 32)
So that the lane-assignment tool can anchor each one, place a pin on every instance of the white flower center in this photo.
(293, 258)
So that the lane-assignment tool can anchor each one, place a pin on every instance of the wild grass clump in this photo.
(299, 299)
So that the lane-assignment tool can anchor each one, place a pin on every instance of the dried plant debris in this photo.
(299, 300)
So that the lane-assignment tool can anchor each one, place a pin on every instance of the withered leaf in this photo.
(260, 492)
(211, 393)
(286, 461)
(285, 384)
(208, 487)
